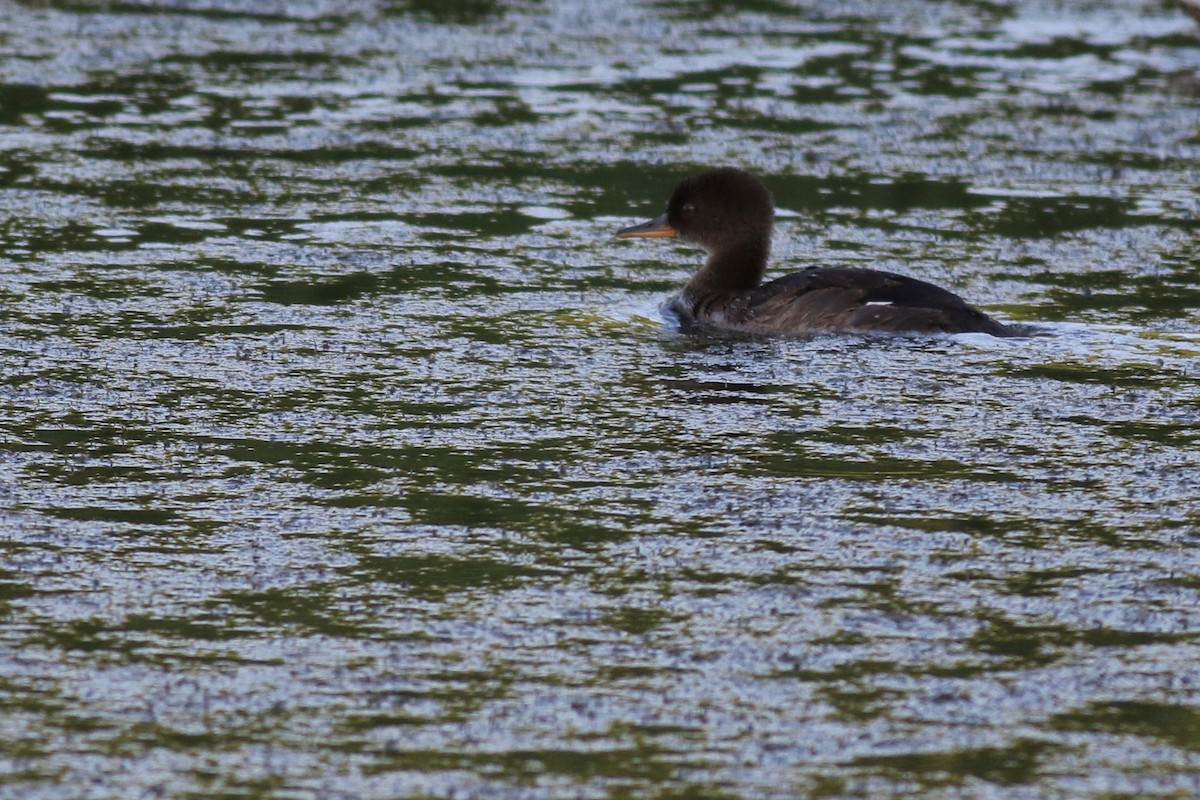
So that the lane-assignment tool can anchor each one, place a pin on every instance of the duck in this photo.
(730, 214)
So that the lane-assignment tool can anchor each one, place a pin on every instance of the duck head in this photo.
(729, 213)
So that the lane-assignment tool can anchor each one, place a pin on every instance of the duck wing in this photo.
(850, 299)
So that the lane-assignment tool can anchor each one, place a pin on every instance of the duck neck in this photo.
(737, 268)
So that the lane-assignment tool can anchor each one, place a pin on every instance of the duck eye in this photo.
(688, 208)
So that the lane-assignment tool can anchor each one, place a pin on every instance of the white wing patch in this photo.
(879, 303)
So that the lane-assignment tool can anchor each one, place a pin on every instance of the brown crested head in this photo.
(721, 208)
(729, 213)
(718, 209)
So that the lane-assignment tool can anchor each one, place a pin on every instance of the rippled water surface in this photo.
(345, 453)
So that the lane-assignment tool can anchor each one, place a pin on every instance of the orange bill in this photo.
(657, 228)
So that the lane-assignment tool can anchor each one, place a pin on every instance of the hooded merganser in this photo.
(729, 213)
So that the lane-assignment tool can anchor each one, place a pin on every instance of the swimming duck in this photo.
(729, 213)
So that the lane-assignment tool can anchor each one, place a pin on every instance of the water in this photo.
(345, 453)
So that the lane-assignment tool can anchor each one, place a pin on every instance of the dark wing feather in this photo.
(841, 298)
